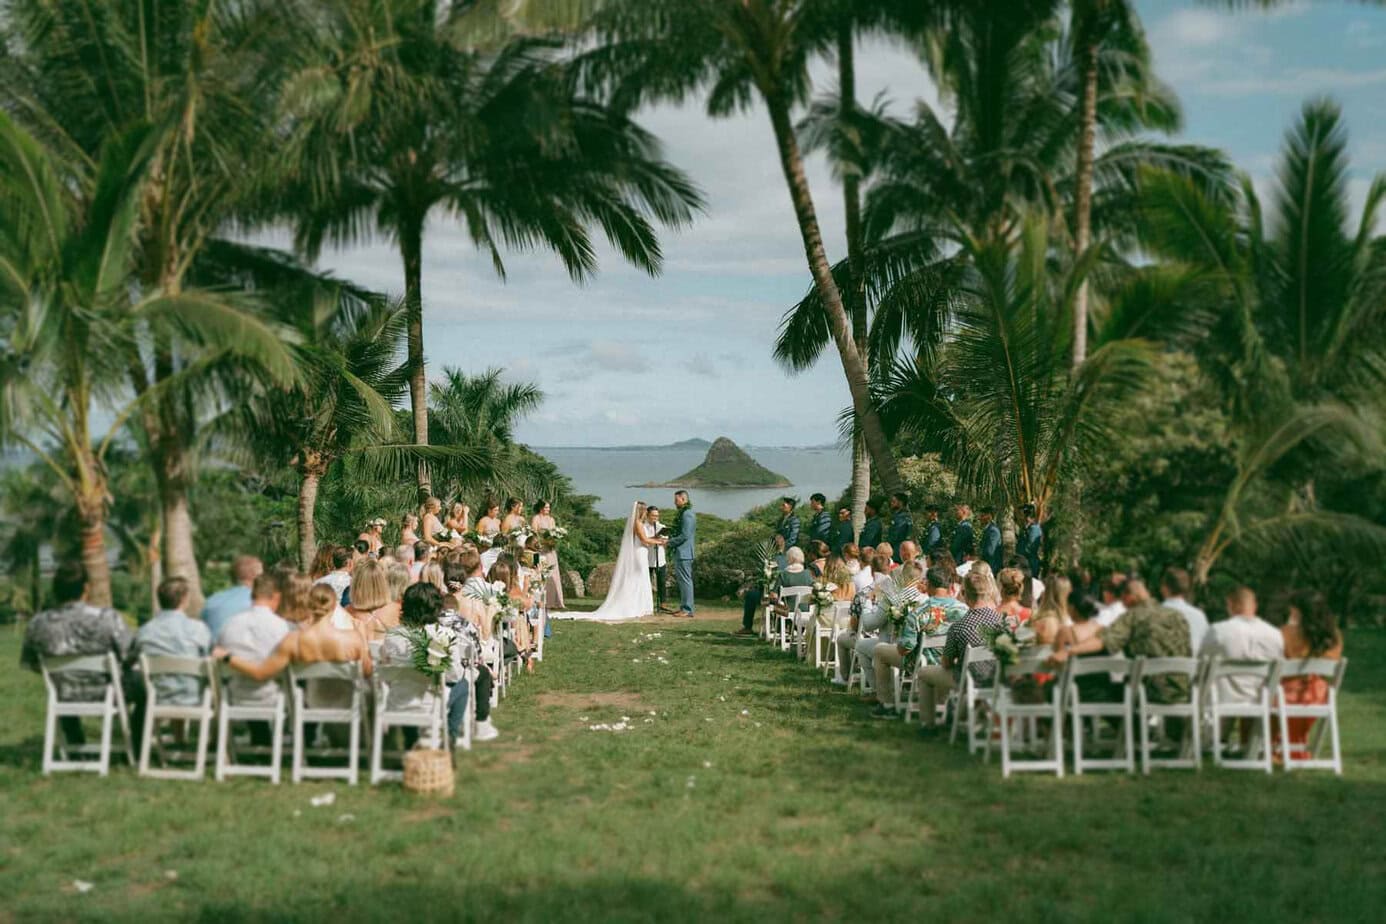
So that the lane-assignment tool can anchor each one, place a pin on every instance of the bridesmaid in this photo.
(543, 519)
(409, 529)
(432, 524)
(490, 527)
(514, 515)
(459, 518)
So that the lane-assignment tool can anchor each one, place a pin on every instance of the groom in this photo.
(681, 551)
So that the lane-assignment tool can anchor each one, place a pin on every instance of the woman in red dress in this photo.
(1310, 632)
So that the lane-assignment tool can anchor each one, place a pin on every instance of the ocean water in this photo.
(608, 474)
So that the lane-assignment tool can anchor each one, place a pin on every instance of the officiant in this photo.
(659, 561)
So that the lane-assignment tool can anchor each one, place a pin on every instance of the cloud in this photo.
(616, 357)
(1199, 28)
(701, 364)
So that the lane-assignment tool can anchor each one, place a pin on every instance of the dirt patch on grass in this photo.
(590, 700)
(430, 811)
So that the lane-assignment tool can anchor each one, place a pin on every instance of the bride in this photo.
(630, 596)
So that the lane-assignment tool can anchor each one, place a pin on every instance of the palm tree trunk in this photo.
(307, 508)
(411, 250)
(792, 162)
(851, 195)
(179, 556)
(1082, 222)
(91, 517)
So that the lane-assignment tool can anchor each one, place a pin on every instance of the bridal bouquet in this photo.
(432, 647)
(478, 540)
(518, 537)
(550, 538)
(823, 595)
(443, 537)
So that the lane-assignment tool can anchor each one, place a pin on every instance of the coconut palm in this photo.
(200, 76)
(396, 117)
(480, 412)
(742, 51)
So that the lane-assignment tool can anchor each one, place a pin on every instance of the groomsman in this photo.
(964, 539)
(843, 534)
(1031, 538)
(933, 536)
(789, 523)
(901, 526)
(871, 530)
(991, 539)
(821, 526)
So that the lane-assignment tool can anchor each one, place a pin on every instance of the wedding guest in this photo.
(463, 569)
(821, 523)
(74, 627)
(796, 574)
(871, 531)
(964, 544)
(789, 523)
(843, 535)
(339, 578)
(1112, 590)
(933, 532)
(990, 549)
(226, 603)
(505, 572)
(909, 553)
(459, 517)
(1033, 589)
(372, 606)
(901, 526)
(1031, 541)
(373, 536)
(837, 573)
(754, 597)
(255, 633)
(1175, 586)
(820, 552)
(409, 529)
(1053, 613)
(434, 573)
(1243, 636)
(963, 633)
(171, 632)
(1309, 632)
(322, 560)
(1082, 612)
(886, 550)
(1010, 583)
(553, 593)
(858, 566)
(903, 653)
(423, 556)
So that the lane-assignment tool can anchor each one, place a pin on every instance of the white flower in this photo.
(498, 586)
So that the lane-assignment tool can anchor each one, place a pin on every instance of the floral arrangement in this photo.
(550, 538)
(769, 568)
(897, 600)
(518, 537)
(432, 647)
(444, 536)
(822, 595)
(478, 540)
(496, 598)
(1001, 640)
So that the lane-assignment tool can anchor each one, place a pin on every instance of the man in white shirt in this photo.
(253, 634)
(1242, 637)
(659, 559)
(339, 578)
(1175, 585)
(1113, 589)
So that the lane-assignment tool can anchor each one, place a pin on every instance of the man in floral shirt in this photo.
(963, 634)
(74, 628)
(929, 616)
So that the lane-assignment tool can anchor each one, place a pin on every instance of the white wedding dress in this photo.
(630, 596)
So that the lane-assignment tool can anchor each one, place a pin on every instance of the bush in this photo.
(726, 564)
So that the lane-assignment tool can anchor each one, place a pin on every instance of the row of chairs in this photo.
(287, 702)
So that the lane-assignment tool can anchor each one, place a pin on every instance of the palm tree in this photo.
(28, 496)
(395, 117)
(480, 413)
(741, 51)
(199, 75)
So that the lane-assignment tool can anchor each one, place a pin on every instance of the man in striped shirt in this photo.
(964, 634)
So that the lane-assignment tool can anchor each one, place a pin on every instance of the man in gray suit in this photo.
(681, 551)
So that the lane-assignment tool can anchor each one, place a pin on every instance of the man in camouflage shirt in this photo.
(74, 627)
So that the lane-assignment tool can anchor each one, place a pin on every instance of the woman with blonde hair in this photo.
(433, 573)
(1053, 614)
(371, 605)
(294, 589)
(432, 523)
(459, 517)
(983, 569)
(1011, 584)
(409, 529)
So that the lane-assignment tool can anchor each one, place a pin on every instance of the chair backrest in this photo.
(1026, 667)
(157, 665)
(786, 593)
(977, 654)
(1118, 666)
(387, 675)
(85, 663)
(933, 641)
(1264, 671)
(1314, 667)
(327, 670)
(842, 608)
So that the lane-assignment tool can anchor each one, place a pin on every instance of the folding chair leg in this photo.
(1077, 744)
(107, 721)
(277, 747)
(50, 727)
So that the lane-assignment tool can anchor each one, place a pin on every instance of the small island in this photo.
(727, 466)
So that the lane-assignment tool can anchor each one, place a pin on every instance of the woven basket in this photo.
(429, 772)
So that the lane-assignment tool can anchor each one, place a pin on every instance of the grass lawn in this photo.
(747, 789)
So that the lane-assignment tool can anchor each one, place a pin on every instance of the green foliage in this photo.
(727, 561)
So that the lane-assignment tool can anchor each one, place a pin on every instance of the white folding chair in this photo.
(827, 659)
(350, 715)
(790, 597)
(110, 709)
(271, 712)
(1262, 676)
(928, 643)
(429, 716)
(1007, 710)
(1152, 714)
(200, 669)
(972, 699)
(1325, 714)
(1124, 756)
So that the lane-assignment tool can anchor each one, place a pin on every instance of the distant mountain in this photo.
(726, 466)
(694, 443)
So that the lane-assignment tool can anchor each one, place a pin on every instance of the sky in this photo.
(629, 359)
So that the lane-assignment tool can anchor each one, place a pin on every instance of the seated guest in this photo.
(224, 604)
(964, 633)
(339, 578)
(1112, 591)
(463, 568)
(74, 627)
(820, 551)
(253, 636)
(903, 653)
(838, 574)
(979, 567)
(404, 554)
(294, 588)
(864, 575)
(795, 573)
(322, 561)
(1309, 632)
(423, 557)
(1082, 611)
(1052, 615)
(172, 632)
(885, 552)
(434, 573)
(1034, 587)
(1175, 587)
(371, 606)
(1243, 636)
(755, 596)
(505, 571)
(1010, 583)
(909, 553)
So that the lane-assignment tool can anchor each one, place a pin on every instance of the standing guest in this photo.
(1010, 582)
(490, 525)
(254, 635)
(842, 530)
(1309, 632)
(1031, 541)
(659, 558)
(459, 517)
(543, 519)
(963, 634)
(409, 529)
(171, 632)
(821, 525)
(339, 578)
(901, 526)
(990, 551)
(871, 530)
(964, 543)
(373, 536)
(514, 515)
(1112, 590)
(755, 596)
(224, 604)
(1175, 586)
(1243, 636)
(789, 523)
(74, 627)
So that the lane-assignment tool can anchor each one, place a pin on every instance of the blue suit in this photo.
(901, 526)
(1029, 545)
(991, 547)
(821, 528)
(933, 539)
(681, 551)
(871, 533)
(789, 529)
